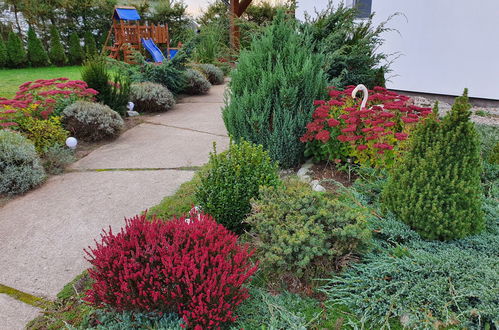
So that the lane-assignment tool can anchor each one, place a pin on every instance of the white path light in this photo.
(71, 142)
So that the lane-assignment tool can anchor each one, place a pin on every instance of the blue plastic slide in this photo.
(151, 47)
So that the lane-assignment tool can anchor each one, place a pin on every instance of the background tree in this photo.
(173, 13)
(3, 54)
(90, 46)
(436, 187)
(56, 52)
(16, 54)
(75, 52)
(37, 56)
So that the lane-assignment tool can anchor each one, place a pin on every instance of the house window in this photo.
(363, 8)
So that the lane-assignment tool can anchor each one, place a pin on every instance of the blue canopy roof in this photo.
(126, 14)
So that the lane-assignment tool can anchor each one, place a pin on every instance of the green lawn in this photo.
(10, 79)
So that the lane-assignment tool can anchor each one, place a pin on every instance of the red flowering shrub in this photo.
(193, 267)
(371, 136)
(43, 98)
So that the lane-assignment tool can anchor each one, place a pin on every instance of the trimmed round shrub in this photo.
(294, 227)
(214, 74)
(37, 55)
(43, 133)
(196, 83)
(231, 179)
(194, 267)
(92, 121)
(20, 166)
(151, 97)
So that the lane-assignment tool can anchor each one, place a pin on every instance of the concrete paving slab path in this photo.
(43, 233)
(14, 314)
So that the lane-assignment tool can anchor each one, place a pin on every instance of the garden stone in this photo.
(132, 113)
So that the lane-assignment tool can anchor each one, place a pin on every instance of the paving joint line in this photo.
(184, 128)
(135, 169)
(24, 297)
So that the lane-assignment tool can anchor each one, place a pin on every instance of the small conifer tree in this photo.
(272, 91)
(16, 54)
(56, 53)
(75, 49)
(3, 54)
(90, 46)
(436, 188)
(37, 56)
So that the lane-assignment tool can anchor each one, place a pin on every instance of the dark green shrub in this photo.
(113, 91)
(37, 56)
(56, 157)
(56, 52)
(92, 121)
(90, 45)
(20, 166)
(296, 229)
(16, 54)
(151, 97)
(167, 74)
(3, 54)
(196, 83)
(435, 188)
(350, 47)
(232, 179)
(272, 91)
(75, 53)
(214, 74)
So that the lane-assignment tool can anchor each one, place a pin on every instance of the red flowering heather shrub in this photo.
(193, 267)
(371, 136)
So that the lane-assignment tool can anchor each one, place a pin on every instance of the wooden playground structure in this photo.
(127, 36)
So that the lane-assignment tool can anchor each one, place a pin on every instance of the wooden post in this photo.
(236, 10)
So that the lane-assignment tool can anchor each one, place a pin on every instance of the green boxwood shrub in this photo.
(56, 52)
(16, 54)
(92, 121)
(295, 228)
(20, 166)
(151, 97)
(37, 55)
(435, 188)
(232, 179)
(3, 54)
(75, 52)
(214, 74)
(272, 90)
(196, 83)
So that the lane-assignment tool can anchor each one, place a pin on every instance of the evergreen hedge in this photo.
(37, 55)
(90, 46)
(76, 55)
(56, 52)
(272, 91)
(435, 188)
(3, 54)
(16, 54)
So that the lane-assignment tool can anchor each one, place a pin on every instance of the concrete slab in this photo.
(44, 232)
(201, 117)
(14, 314)
(215, 95)
(154, 146)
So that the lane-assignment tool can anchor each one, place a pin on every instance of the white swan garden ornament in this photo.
(364, 91)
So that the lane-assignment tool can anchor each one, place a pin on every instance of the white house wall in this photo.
(444, 45)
